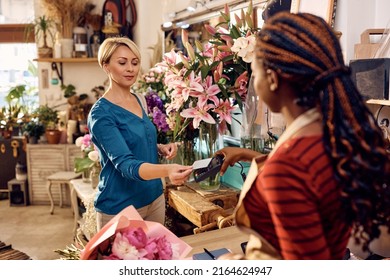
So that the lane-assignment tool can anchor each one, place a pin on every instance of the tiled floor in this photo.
(32, 230)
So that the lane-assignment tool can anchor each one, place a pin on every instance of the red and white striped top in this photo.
(295, 202)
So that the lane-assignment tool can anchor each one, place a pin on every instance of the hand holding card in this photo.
(207, 167)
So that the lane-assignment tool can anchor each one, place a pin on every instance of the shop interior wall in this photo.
(352, 17)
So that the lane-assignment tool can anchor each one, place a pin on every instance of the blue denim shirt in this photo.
(124, 142)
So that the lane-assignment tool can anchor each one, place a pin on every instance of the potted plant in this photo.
(42, 28)
(49, 118)
(34, 130)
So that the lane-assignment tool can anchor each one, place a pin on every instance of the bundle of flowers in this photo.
(206, 85)
(128, 237)
(90, 154)
(153, 88)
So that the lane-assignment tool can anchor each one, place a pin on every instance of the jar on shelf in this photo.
(80, 41)
(20, 171)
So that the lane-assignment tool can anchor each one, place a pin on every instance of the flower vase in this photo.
(187, 152)
(86, 175)
(207, 146)
(94, 175)
(251, 130)
(95, 43)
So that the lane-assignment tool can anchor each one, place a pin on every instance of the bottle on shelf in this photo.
(57, 46)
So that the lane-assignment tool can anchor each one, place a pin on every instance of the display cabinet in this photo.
(44, 160)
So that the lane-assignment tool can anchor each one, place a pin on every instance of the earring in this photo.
(273, 87)
(268, 71)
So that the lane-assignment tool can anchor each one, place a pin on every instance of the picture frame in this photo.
(322, 8)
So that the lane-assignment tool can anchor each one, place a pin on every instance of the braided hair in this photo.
(304, 50)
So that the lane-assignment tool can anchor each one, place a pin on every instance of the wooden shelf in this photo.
(58, 68)
(382, 102)
(67, 60)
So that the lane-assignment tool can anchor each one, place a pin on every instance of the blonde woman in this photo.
(127, 141)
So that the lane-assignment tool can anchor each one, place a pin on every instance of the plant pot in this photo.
(53, 136)
(45, 52)
(66, 47)
(32, 140)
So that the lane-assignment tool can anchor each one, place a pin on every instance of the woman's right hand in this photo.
(178, 174)
(235, 154)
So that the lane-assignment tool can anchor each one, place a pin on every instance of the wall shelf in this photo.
(55, 61)
(382, 102)
(67, 60)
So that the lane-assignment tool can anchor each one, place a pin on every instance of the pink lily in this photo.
(171, 57)
(224, 109)
(209, 92)
(211, 30)
(199, 114)
(238, 21)
(193, 88)
(184, 36)
(241, 84)
(218, 71)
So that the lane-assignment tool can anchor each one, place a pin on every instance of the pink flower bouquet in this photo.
(128, 237)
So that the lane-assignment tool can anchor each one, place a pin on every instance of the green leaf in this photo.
(204, 70)
(234, 32)
(81, 164)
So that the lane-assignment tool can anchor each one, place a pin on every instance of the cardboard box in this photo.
(367, 47)
(371, 77)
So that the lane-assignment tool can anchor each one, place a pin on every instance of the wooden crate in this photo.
(203, 209)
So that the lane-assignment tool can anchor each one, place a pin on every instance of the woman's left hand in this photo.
(169, 151)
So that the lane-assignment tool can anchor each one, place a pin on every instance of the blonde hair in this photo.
(110, 45)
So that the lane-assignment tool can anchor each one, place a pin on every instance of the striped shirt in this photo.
(295, 202)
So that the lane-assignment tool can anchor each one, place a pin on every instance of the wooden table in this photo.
(61, 178)
(86, 193)
(229, 237)
(207, 210)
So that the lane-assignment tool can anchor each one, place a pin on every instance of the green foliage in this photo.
(47, 116)
(81, 164)
(42, 27)
(69, 90)
(34, 129)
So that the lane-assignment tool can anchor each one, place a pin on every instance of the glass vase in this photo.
(86, 175)
(94, 175)
(207, 145)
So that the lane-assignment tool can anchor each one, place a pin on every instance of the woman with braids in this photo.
(327, 178)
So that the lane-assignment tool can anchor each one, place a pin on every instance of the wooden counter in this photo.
(207, 210)
(229, 237)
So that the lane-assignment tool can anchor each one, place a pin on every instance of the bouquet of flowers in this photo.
(206, 85)
(128, 237)
(153, 88)
(91, 155)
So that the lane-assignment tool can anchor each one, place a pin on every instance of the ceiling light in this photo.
(167, 24)
(193, 5)
(167, 19)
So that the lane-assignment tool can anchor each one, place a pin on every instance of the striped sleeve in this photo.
(300, 193)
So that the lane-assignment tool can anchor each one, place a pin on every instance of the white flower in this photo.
(244, 47)
(93, 155)
(79, 141)
(123, 249)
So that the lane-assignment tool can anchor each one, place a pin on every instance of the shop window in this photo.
(16, 50)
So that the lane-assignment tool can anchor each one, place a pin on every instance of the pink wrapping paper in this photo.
(129, 217)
